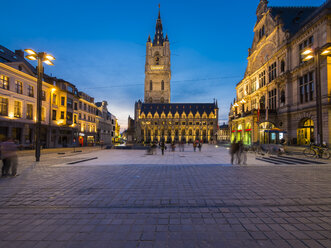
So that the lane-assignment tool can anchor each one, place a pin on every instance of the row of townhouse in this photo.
(69, 117)
(277, 98)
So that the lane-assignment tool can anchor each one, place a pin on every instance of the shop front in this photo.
(305, 132)
(269, 134)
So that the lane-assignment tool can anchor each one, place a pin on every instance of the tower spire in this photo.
(158, 38)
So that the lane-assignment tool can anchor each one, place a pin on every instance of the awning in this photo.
(275, 130)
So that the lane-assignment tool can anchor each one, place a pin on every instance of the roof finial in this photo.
(159, 11)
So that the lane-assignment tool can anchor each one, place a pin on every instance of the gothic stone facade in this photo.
(156, 119)
(277, 97)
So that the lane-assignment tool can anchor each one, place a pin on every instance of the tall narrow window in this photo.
(54, 115)
(62, 100)
(306, 86)
(282, 66)
(19, 87)
(17, 109)
(30, 91)
(162, 85)
(4, 82)
(43, 95)
(151, 85)
(262, 79)
(272, 72)
(272, 99)
(3, 106)
(29, 111)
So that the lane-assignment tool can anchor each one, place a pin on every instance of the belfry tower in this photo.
(157, 67)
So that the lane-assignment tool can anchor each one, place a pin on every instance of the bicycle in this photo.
(315, 151)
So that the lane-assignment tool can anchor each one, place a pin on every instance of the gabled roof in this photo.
(292, 17)
(7, 56)
(178, 107)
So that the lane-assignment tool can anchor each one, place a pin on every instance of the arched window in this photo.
(162, 85)
(151, 85)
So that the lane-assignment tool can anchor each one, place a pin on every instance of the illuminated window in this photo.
(308, 43)
(17, 109)
(3, 106)
(62, 100)
(4, 82)
(29, 111)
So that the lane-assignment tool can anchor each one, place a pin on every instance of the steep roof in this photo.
(178, 107)
(7, 56)
(292, 17)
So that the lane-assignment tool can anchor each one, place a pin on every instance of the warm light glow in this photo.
(307, 51)
(243, 101)
(49, 57)
(31, 57)
(53, 89)
(30, 51)
(325, 52)
(60, 122)
(48, 62)
(11, 115)
(309, 57)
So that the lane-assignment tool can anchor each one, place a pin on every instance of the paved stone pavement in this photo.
(129, 199)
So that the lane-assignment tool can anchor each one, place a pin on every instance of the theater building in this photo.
(286, 79)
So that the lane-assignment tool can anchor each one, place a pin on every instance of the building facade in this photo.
(157, 119)
(288, 72)
(223, 133)
(69, 117)
(104, 124)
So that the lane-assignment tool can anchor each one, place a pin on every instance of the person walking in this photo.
(194, 146)
(162, 148)
(233, 150)
(200, 146)
(242, 156)
(9, 158)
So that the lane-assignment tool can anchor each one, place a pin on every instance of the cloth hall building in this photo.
(285, 93)
(156, 118)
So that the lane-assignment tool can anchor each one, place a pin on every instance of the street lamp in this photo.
(316, 54)
(47, 59)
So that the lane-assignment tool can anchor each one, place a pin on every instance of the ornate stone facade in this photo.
(156, 119)
(289, 57)
(157, 67)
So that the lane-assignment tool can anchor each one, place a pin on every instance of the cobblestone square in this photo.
(125, 198)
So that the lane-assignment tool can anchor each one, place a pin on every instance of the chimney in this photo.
(19, 53)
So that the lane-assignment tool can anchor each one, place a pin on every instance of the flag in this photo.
(258, 114)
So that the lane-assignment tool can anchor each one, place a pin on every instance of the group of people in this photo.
(8, 156)
(181, 147)
(238, 152)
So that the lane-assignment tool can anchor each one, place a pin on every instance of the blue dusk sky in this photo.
(100, 45)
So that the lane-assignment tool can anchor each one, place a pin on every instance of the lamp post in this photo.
(316, 54)
(46, 58)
